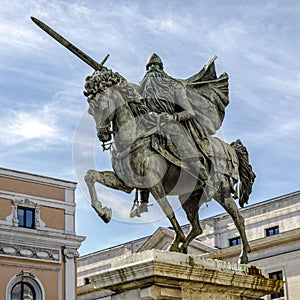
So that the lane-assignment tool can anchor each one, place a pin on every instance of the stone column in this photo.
(70, 256)
(156, 274)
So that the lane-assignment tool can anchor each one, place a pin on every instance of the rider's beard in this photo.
(157, 87)
(155, 81)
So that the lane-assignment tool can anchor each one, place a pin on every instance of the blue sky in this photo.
(43, 121)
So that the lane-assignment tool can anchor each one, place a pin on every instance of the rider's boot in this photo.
(144, 201)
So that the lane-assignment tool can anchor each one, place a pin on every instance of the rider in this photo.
(166, 97)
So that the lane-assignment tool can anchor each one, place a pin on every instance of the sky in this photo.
(44, 125)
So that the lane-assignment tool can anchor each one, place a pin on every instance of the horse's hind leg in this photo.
(158, 193)
(191, 205)
(108, 179)
(225, 199)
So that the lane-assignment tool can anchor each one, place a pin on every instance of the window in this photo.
(24, 286)
(23, 291)
(26, 217)
(272, 231)
(277, 276)
(235, 241)
(26, 213)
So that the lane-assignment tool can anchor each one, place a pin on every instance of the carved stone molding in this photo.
(20, 251)
(70, 253)
(25, 273)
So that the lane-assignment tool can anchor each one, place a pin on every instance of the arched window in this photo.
(24, 286)
(23, 291)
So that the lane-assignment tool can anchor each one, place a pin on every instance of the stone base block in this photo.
(156, 274)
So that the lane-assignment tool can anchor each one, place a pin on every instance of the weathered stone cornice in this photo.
(39, 238)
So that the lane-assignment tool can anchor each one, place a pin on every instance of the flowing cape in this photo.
(208, 96)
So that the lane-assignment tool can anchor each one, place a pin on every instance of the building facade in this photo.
(38, 243)
(273, 230)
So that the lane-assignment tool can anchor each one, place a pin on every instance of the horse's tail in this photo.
(246, 173)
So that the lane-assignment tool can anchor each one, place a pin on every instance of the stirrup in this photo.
(138, 207)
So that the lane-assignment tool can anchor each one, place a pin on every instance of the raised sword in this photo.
(76, 51)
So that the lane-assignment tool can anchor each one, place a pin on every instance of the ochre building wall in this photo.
(32, 188)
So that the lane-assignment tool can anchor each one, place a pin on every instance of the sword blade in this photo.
(84, 57)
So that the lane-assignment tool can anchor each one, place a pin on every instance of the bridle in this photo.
(106, 145)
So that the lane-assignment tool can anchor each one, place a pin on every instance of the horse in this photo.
(114, 104)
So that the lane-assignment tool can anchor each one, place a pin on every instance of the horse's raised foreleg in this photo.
(109, 179)
(230, 206)
(158, 193)
(191, 205)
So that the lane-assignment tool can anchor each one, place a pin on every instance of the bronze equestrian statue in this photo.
(160, 135)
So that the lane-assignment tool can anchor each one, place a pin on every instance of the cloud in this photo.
(29, 132)
(23, 126)
(37, 126)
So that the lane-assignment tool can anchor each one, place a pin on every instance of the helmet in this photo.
(154, 59)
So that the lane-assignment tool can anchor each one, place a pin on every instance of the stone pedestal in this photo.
(156, 274)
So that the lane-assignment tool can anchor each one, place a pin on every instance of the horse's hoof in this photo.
(174, 248)
(184, 249)
(106, 214)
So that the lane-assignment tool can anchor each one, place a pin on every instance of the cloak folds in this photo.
(208, 96)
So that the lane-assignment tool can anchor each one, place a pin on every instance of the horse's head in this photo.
(100, 96)
(102, 111)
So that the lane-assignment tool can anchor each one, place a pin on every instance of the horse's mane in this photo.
(106, 78)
